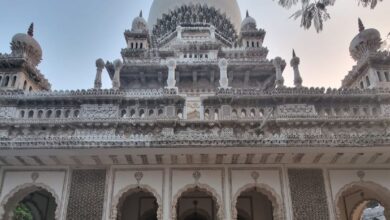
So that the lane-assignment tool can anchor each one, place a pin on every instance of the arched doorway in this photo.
(196, 205)
(252, 205)
(197, 202)
(363, 201)
(32, 202)
(138, 204)
(257, 201)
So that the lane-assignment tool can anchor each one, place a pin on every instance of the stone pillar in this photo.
(171, 82)
(179, 30)
(212, 32)
(295, 61)
(223, 79)
(116, 83)
(99, 70)
(278, 62)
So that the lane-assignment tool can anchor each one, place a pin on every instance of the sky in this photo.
(74, 33)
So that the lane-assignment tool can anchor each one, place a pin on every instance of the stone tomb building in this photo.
(198, 125)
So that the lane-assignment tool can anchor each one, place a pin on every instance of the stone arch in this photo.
(21, 191)
(266, 190)
(129, 190)
(202, 188)
(382, 193)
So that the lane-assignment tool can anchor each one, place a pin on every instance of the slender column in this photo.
(171, 82)
(99, 70)
(287, 195)
(179, 30)
(278, 62)
(223, 80)
(116, 80)
(167, 200)
(331, 205)
(295, 61)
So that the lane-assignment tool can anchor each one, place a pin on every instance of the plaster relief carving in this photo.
(7, 112)
(99, 111)
(296, 110)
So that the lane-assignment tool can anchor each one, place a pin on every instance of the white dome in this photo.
(229, 7)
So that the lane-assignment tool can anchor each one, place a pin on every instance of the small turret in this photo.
(295, 61)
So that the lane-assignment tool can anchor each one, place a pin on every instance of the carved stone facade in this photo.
(198, 121)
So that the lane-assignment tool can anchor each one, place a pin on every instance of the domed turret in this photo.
(139, 24)
(26, 44)
(248, 24)
(368, 40)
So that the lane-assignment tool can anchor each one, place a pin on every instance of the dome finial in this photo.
(361, 26)
(247, 13)
(140, 14)
(31, 30)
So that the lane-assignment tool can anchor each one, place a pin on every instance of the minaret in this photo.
(278, 64)
(297, 75)
(99, 70)
(30, 31)
(116, 84)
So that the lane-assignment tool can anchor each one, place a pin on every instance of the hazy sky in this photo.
(74, 33)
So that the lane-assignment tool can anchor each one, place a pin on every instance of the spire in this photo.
(140, 14)
(294, 55)
(31, 30)
(295, 65)
(361, 26)
(247, 13)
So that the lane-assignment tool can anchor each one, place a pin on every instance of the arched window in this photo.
(132, 45)
(136, 45)
(13, 81)
(368, 81)
(253, 44)
(76, 113)
(58, 113)
(6, 82)
(123, 113)
(141, 45)
(40, 114)
(31, 114)
(142, 113)
(67, 113)
(49, 113)
(22, 113)
(25, 85)
(247, 44)
(258, 44)
(1, 78)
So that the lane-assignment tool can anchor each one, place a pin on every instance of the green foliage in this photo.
(22, 212)
(315, 11)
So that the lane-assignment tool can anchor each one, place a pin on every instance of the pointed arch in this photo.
(129, 190)
(382, 193)
(202, 188)
(266, 190)
(10, 201)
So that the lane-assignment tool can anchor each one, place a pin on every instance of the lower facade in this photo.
(197, 192)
